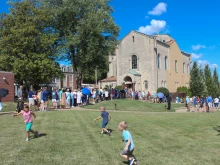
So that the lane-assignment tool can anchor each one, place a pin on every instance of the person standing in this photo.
(30, 98)
(106, 95)
(45, 98)
(210, 105)
(187, 103)
(20, 96)
(54, 99)
(195, 103)
(216, 102)
(73, 93)
(169, 99)
(68, 98)
(79, 98)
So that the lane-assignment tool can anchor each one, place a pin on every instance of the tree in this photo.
(209, 81)
(163, 90)
(215, 84)
(197, 85)
(205, 92)
(88, 33)
(27, 44)
(184, 89)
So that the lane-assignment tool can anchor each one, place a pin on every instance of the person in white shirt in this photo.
(106, 94)
(216, 102)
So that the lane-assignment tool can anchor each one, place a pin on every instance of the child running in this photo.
(28, 121)
(127, 152)
(106, 118)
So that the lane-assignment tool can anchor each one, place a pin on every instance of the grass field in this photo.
(71, 137)
(134, 105)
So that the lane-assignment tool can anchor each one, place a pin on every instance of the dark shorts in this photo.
(123, 152)
(104, 124)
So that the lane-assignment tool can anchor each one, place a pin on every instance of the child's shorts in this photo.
(123, 152)
(28, 126)
(104, 124)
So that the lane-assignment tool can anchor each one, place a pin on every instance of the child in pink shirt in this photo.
(28, 120)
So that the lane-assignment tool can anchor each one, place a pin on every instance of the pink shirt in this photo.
(27, 116)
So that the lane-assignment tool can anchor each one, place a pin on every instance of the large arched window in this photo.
(165, 84)
(134, 61)
(184, 65)
(176, 66)
(166, 63)
(162, 84)
(158, 61)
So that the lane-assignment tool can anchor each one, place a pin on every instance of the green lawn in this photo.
(71, 137)
(134, 105)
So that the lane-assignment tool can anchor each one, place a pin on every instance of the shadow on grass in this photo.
(42, 134)
(217, 128)
(125, 162)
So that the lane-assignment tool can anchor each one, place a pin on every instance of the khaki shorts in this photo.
(123, 152)
(31, 101)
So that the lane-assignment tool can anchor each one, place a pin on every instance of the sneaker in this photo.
(27, 139)
(36, 134)
(132, 161)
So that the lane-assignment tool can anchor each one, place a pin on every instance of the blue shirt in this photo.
(30, 94)
(104, 115)
(195, 101)
(45, 95)
(54, 95)
(209, 99)
(187, 100)
(127, 136)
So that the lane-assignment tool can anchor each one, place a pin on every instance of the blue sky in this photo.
(193, 24)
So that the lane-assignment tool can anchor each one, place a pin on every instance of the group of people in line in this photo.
(202, 104)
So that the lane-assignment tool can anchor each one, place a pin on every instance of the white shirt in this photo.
(216, 100)
(106, 93)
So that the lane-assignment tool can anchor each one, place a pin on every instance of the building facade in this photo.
(7, 82)
(145, 63)
(69, 79)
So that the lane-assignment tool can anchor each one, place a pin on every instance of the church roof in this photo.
(112, 78)
(134, 72)
(170, 42)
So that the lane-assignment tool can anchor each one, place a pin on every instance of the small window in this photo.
(166, 62)
(164, 41)
(146, 84)
(184, 67)
(158, 61)
(133, 38)
(64, 78)
(188, 70)
(176, 66)
(134, 61)
(165, 84)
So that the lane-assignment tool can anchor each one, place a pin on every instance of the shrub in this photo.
(184, 89)
(118, 87)
(163, 90)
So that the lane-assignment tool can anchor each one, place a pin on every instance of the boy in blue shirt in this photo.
(127, 152)
(106, 118)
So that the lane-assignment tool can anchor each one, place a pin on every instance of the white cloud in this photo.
(197, 47)
(155, 26)
(196, 56)
(204, 63)
(159, 9)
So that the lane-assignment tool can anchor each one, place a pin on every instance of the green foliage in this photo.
(88, 33)
(197, 85)
(209, 81)
(163, 90)
(215, 84)
(27, 44)
(184, 89)
(119, 87)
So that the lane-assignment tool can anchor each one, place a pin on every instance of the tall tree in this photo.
(201, 72)
(27, 44)
(215, 83)
(87, 32)
(209, 80)
(197, 86)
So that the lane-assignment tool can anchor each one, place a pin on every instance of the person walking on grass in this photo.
(216, 102)
(27, 113)
(106, 118)
(210, 105)
(127, 152)
(45, 98)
